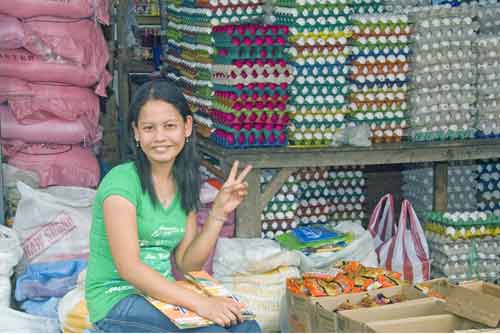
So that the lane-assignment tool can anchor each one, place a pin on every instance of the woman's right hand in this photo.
(224, 311)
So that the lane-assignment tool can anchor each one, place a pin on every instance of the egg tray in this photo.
(440, 219)
(278, 215)
(357, 51)
(380, 68)
(379, 45)
(318, 89)
(444, 56)
(318, 69)
(281, 206)
(349, 207)
(246, 102)
(248, 139)
(318, 121)
(315, 109)
(310, 3)
(227, 56)
(382, 124)
(223, 15)
(488, 205)
(443, 135)
(264, 120)
(330, 60)
(355, 215)
(489, 185)
(363, 81)
(316, 210)
(309, 143)
(349, 195)
(375, 89)
(225, 34)
(278, 224)
(484, 135)
(436, 120)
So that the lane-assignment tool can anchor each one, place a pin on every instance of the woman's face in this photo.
(161, 131)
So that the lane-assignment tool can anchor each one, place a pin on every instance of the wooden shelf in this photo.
(290, 159)
(148, 20)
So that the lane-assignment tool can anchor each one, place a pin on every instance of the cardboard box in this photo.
(423, 315)
(300, 312)
(325, 319)
(477, 301)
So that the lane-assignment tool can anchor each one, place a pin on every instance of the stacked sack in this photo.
(53, 58)
(464, 245)
(488, 194)
(380, 63)
(462, 184)
(315, 196)
(279, 215)
(488, 86)
(347, 194)
(319, 33)
(250, 79)
(191, 50)
(443, 95)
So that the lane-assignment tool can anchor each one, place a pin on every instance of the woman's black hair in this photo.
(186, 166)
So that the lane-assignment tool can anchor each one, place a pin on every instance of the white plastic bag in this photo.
(251, 256)
(73, 313)
(19, 322)
(263, 293)
(358, 250)
(54, 224)
(5, 288)
(10, 250)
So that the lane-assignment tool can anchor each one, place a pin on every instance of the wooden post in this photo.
(248, 213)
(441, 186)
(2, 195)
(123, 89)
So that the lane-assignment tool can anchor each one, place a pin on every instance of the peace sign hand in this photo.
(232, 193)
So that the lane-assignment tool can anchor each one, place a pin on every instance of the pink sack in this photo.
(52, 130)
(22, 64)
(72, 40)
(76, 9)
(407, 251)
(56, 165)
(32, 103)
(11, 33)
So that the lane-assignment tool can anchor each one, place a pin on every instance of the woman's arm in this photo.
(121, 230)
(194, 249)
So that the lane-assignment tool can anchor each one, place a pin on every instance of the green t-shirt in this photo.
(159, 229)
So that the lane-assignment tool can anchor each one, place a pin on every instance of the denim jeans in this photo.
(135, 314)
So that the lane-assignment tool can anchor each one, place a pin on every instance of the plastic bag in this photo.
(54, 224)
(5, 288)
(407, 251)
(251, 256)
(73, 313)
(358, 250)
(12, 321)
(10, 250)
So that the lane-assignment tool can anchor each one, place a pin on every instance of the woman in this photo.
(145, 210)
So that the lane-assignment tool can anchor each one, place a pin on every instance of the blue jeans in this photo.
(135, 314)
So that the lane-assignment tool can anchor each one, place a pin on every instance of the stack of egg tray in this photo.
(191, 51)
(279, 215)
(402, 6)
(464, 245)
(250, 78)
(315, 196)
(488, 87)
(319, 33)
(360, 7)
(380, 64)
(418, 185)
(489, 12)
(348, 194)
(489, 187)
(444, 72)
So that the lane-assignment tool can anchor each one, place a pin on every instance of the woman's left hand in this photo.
(232, 193)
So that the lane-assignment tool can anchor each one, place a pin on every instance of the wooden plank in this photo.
(379, 154)
(248, 213)
(441, 186)
(2, 189)
(123, 89)
(275, 185)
